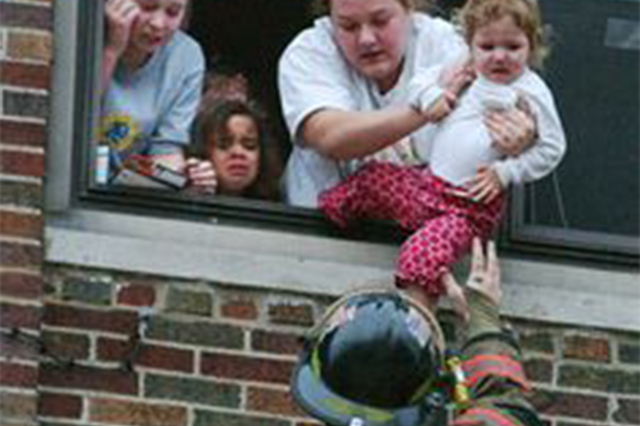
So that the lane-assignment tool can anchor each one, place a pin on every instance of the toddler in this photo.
(461, 194)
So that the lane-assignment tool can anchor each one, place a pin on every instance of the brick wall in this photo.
(25, 58)
(214, 354)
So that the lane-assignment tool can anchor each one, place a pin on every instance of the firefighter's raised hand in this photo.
(484, 278)
(485, 271)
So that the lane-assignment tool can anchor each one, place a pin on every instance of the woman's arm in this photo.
(344, 135)
(546, 153)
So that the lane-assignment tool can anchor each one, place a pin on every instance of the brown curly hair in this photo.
(525, 13)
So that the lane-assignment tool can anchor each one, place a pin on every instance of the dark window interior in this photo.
(248, 36)
(595, 81)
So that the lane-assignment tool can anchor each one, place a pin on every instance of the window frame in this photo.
(72, 188)
(271, 258)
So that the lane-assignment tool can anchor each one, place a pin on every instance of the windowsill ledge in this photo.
(544, 291)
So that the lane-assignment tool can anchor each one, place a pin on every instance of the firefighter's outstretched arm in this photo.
(491, 353)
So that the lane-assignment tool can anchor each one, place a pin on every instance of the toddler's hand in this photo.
(483, 188)
(457, 77)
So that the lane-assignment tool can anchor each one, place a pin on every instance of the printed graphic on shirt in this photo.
(122, 133)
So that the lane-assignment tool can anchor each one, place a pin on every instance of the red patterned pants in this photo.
(443, 225)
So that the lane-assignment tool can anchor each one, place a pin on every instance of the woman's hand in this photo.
(202, 176)
(120, 15)
(512, 131)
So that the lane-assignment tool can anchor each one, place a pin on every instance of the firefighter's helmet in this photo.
(373, 360)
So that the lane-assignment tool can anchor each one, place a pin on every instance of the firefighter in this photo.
(378, 358)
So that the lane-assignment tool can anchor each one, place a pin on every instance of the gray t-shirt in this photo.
(157, 102)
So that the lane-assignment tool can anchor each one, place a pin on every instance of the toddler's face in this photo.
(500, 50)
(236, 155)
(157, 22)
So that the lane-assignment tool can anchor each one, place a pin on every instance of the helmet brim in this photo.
(324, 404)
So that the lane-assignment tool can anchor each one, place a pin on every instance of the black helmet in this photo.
(373, 360)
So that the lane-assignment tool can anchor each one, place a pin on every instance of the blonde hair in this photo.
(525, 13)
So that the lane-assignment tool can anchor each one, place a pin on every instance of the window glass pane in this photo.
(593, 71)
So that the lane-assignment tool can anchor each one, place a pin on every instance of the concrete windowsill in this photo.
(542, 291)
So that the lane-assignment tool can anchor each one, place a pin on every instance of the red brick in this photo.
(273, 401)
(22, 285)
(25, 75)
(16, 375)
(246, 368)
(89, 378)
(240, 309)
(90, 319)
(135, 413)
(19, 316)
(275, 342)
(136, 295)
(59, 405)
(14, 405)
(22, 163)
(587, 348)
(21, 225)
(148, 355)
(21, 133)
(20, 255)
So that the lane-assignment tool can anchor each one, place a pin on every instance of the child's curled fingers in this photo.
(202, 175)
(485, 186)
